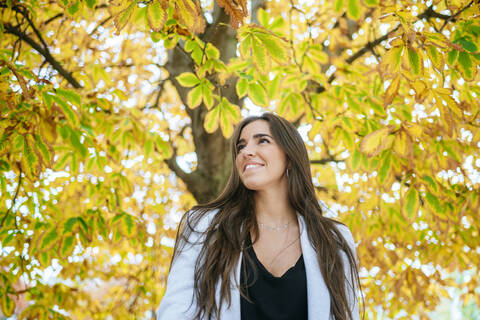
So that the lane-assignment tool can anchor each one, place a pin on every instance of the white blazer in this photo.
(177, 301)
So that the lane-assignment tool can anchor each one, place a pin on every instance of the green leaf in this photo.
(70, 96)
(91, 3)
(207, 89)
(47, 98)
(415, 61)
(384, 169)
(353, 9)
(191, 45)
(74, 8)
(82, 224)
(372, 3)
(435, 57)
(8, 305)
(194, 97)
(44, 258)
(148, 147)
(259, 56)
(356, 157)
(74, 164)
(128, 225)
(318, 54)
(241, 87)
(75, 141)
(274, 46)
(67, 246)
(30, 161)
(273, 87)
(245, 45)
(452, 57)
(229, 115)
(212, 52)
(411, 202)
(69, 224)
(49, 238)
(7, 239)
(211, 119)
(433, 202)
(44, 150)
(60, 164)
(188, 79)
(466, 65)
(468, 45)
(67, 111)
(257, 93)
(431, 182)
(163, 146)
(338, 7)
(263, 17)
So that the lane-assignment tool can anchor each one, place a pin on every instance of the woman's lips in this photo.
(251, 166)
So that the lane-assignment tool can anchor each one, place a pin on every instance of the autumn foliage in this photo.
(115, 118)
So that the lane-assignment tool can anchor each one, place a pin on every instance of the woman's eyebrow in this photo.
(256, 136)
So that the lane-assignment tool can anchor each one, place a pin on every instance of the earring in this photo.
(288, 173)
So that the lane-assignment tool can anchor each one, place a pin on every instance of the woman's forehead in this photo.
(254, 128)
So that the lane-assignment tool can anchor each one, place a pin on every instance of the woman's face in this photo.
(260, 162)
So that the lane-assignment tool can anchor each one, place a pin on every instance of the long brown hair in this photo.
(223, 239)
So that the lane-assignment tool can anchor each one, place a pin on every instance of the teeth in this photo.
(251, 166)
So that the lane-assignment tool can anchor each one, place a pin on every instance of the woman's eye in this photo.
(240, 147)
(263, 140)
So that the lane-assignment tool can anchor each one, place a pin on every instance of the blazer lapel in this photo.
(317, 292)
(232, 313)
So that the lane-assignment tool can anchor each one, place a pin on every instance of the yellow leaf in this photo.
(392, 60)
(415, 130)
(122, 17)
(257, 93)
(190, 15)
(157, 14)
(451, 103)
(318, 54)
(392, 91)
(403, 145)
(194, 97)
(421, 90)
(259, 56)
(211, 119)
(374, 142)
(229, 115)
(435, 57)
(48, 129)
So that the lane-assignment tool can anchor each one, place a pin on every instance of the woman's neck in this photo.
(273, 207)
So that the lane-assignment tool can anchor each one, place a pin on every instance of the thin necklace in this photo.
(275, 228)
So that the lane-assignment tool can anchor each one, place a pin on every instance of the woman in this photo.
(262, 249)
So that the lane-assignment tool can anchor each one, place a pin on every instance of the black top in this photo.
(275, 298)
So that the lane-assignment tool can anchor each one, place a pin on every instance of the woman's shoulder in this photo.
(346, 234)
(198, 219)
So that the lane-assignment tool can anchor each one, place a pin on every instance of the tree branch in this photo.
(452, 17)
(14, 197)
(44, 52)
(326, 160)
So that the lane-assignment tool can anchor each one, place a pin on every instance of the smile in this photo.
(250, 166)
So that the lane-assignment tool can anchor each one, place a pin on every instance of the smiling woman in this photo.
(242, 255)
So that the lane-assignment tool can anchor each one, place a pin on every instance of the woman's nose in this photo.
(248, 150)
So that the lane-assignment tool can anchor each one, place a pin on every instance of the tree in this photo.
(116, 117)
